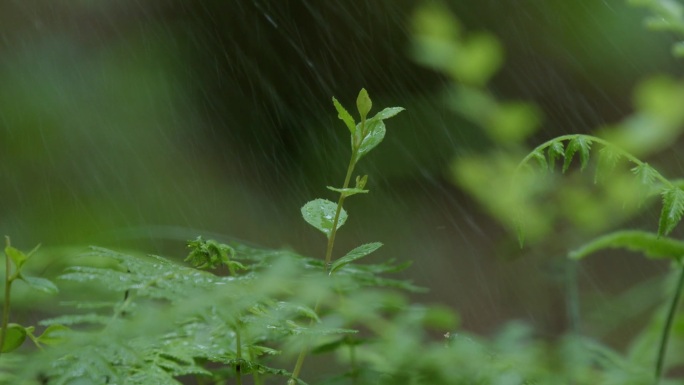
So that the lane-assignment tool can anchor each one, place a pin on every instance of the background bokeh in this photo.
(132, 124)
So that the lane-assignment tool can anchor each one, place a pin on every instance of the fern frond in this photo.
(650, 244)
(581, 144)
(151, 277)
(673, 208)
(555, 151)
(645, 173)
(77, 319)
(541, 159)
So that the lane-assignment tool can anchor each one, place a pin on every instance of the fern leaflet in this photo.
(673, 208)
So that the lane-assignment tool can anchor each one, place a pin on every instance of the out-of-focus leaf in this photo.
(650, 244)
(16, 256)
(14, 337)
(41, 284)
(53, 335)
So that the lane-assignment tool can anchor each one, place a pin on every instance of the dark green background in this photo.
(142, 124)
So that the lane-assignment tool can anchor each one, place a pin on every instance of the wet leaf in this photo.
(376, 133)
(388, 113)
(345, 116)
(41, 284)
(347, 191)
(320, 214)
(355, 254)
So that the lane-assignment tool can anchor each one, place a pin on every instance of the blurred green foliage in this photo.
(129, 124)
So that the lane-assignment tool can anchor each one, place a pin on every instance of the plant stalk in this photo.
(662, 350)
(328, 253)
(6, 304)
(238, 354)
(340, 202)
(352, 361)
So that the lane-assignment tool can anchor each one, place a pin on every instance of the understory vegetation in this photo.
(237, 314)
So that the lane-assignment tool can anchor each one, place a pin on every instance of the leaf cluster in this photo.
(269, 305)
(672, 196)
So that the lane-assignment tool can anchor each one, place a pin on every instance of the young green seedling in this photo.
(328, 216)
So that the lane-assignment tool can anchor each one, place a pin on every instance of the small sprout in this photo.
(361, 181)
(209, 254)
(363, 104)
(344, 116)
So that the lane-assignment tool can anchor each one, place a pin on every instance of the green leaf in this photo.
(320, 214)
(14, 337)
(355, 254)
(344, 116)
(673, 208)
(53, 335)
(541, 159)
(261, 350)
(376, 133)
(363, 103)
(41, 284)
(388, 113)
(361, 182)
(577, 144)
(16, 256)
(584, 148)
(347, 191)
(645, 173)
(555, 151)
(650, 244)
